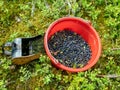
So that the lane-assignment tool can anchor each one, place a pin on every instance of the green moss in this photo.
(32, 17)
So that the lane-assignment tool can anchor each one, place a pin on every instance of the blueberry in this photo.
(74, 51)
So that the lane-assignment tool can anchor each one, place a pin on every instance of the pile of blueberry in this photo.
(70, 49)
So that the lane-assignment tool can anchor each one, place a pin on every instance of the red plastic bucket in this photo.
(82, 28)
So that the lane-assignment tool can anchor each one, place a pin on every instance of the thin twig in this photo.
(33, 8)
(73, 11)
(46, 4)
(109, 76)
(105, 2)
(115, 48)
(70, 7)
(8, 83)
(63, 6)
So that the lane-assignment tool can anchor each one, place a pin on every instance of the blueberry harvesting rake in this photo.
(23, 50)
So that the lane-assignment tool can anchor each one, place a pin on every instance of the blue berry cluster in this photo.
(69, 48)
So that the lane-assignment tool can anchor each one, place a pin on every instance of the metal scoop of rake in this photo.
(23, 50)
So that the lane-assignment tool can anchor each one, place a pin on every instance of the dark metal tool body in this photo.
(23, 50)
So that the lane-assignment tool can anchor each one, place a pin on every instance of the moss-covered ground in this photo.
(26, 18)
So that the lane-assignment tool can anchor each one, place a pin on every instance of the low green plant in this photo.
(4, 71)
(32, 17)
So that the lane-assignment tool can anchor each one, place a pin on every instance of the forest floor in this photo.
(26, 18)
